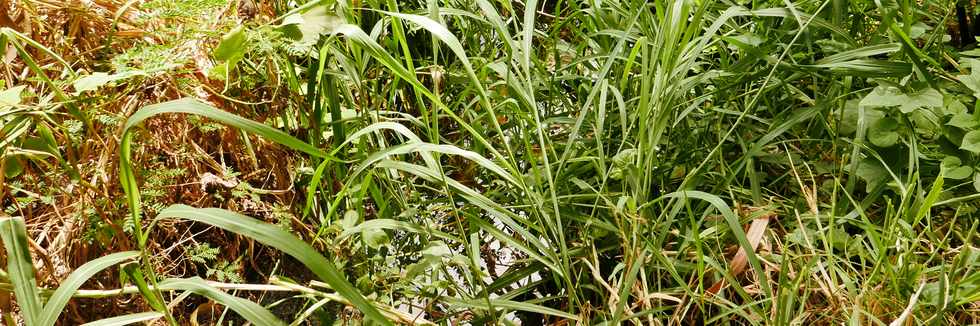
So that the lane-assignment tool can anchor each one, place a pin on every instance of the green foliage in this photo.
(541, 162)
(202, 253)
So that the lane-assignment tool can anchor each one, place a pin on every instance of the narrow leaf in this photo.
(274, 236)
(20, 268)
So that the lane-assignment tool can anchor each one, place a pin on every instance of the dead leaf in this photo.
(756, 231)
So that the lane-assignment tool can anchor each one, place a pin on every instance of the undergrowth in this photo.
(490, 162)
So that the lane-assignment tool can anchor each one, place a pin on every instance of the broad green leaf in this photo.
(883, 133)
(745, 40)
(872, 172)
(888, 96)
(976, 182)
(850, 116)
(126, 319)
(11, 96)
(953, 106)
(273, 236)
(971, 142)
(918, 29)
(925, 123)
(20, 268)
(963, 121)
(380, 224)
(375, 238)
(924, 98)
(972, 80)
(12, 166)
(953, 168)
(232, 45)
(310, 25)
(56, 303)
(884, 96)
(249, 310)
(437, 249)
(389, 224)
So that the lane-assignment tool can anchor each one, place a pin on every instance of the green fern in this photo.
(225, 271)
(202, 253)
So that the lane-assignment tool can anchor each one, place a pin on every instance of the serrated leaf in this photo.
(971, 142)
(883, 133)
(232, 45)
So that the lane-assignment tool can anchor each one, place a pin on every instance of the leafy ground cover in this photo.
(489, 162)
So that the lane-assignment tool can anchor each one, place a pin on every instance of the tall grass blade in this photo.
(20, 268)
(249, 310)
(126, 319)
(56, 303)
(275, 237)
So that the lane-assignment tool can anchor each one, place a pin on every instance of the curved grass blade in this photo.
(861, 53)
(56, 303)
(535, 248)
(152, 296)
(251, 311)
(357, 35)
(426, 148)
(197, 107)
(20, 268)
(443, 34)
(390, 224)
(126, 319)
(735, 225)
(274, 236)
(512, 305)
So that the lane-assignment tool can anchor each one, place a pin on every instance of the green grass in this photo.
(586, 162)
